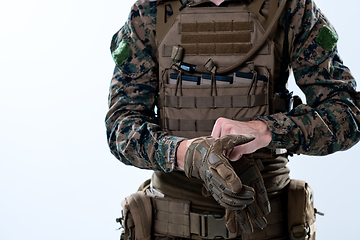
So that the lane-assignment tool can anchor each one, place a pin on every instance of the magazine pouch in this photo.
(301, 211)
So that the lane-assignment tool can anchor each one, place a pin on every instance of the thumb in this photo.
(230, 141)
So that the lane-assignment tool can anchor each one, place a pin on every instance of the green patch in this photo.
(327, 38)
(121, 53)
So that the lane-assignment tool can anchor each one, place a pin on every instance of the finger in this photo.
(246, 192)
(236, 153)
(258, 219)
(216, 132)
(230, 141)
(262, 196)
(220, 166)
(244, 221)
(227, 202)
(228, 176)
(252, 177)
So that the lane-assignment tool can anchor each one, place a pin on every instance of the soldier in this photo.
(199, 96)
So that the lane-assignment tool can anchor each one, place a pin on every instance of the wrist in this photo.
(180, 153)
(264, 130)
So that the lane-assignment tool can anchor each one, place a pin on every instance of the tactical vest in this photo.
(214, 62)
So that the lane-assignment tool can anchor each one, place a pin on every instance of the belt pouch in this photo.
(301, 212)
(136, 217)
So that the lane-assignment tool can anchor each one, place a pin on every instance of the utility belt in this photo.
(148, 213)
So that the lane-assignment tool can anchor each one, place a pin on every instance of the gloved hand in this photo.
(205, 159)
(248, 171)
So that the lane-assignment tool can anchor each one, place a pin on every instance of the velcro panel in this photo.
(223, 26)
(206, 49)
(225, 49)
(216, 38)
(215, 27)
(241, 26)
(242, 48)
(206, 27)
(188, 27)
(191, 49)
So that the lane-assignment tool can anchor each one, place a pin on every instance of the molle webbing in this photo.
(215, 101)
(174, 217)
(164, 22)
(215, 27)
(201, 125)
(212, 39)
(217, 49)
(215, 38)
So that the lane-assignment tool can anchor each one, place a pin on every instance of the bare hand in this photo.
(259, 129)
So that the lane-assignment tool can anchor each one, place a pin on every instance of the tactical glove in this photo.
(249, 172)
(205, 160)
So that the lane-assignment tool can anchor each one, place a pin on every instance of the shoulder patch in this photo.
(327, 38)
(121, 53)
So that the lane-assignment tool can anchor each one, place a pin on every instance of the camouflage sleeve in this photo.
(132, 131)
(329, 120)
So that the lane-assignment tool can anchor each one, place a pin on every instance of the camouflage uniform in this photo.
(326, 124)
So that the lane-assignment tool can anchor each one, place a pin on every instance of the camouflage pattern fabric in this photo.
(326, 124)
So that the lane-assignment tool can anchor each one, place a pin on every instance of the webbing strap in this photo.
(172, 217)
(202, 125)
(215, 101)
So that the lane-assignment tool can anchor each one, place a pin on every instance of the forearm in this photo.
(142, 145)
(134, 136)
(328, 122)
(330, 127)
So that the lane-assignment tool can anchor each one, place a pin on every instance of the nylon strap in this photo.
(215, 101)
(202, 125)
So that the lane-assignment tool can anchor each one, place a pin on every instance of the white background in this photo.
(58, 179)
